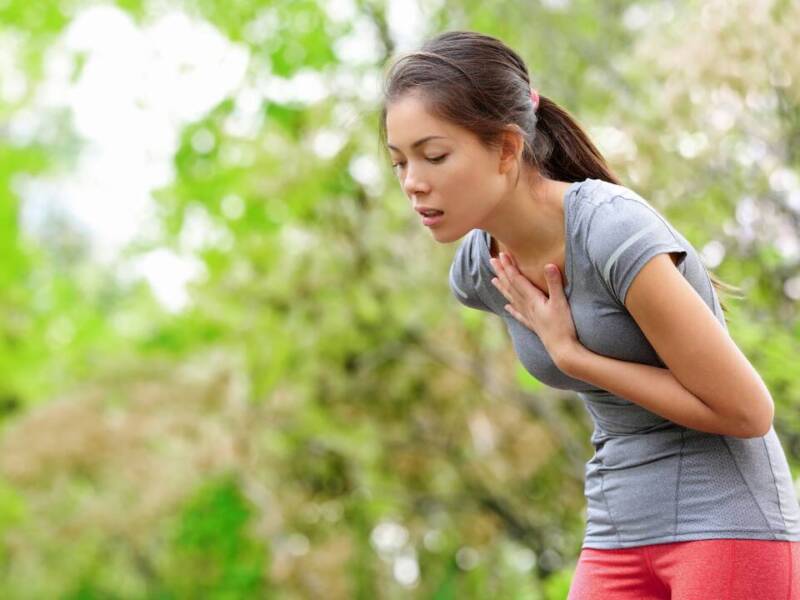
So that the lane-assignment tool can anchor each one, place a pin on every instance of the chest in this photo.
(600, 327)
(534, 271)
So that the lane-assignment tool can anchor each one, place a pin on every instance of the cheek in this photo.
(475, 180)
(466, 173)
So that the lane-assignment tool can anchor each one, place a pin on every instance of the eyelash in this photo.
(435, 160)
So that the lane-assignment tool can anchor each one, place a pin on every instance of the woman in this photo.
(689, 494)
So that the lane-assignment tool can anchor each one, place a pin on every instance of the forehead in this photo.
(408, 120)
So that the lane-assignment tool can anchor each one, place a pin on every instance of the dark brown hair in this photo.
(477, 82)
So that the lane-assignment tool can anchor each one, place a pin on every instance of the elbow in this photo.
(757, 427)
(765, 425)
(753, 418)
(753, 432)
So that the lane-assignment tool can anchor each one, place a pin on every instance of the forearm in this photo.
(653, 388)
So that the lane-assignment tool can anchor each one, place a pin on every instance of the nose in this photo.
(412, 184)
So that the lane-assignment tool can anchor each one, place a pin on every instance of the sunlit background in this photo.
(230, 363)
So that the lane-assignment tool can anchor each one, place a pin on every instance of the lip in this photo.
(431, 221)
(422, 209)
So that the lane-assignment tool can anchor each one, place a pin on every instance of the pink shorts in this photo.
(719, 569)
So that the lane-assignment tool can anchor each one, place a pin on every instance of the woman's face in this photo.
(443, 166)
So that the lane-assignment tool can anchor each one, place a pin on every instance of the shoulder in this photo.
(468, 251)
(613, 211)
(465, 276)
(623, 232)
(604, 204)
(604, 197)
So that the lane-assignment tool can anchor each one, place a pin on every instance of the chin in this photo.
(447, 237)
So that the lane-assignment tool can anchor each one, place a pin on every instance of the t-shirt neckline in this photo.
(485, 237)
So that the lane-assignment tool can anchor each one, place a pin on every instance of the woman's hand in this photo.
(549, 317)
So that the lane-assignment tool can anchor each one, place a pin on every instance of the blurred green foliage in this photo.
(323, 419)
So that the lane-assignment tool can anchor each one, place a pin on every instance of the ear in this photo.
(512, 145)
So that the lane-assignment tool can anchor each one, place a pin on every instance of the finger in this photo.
(512, 311)
(496, 282)
(520, 287)
(510, 271)
(500, 280)
(503, 275)
(555, 287)
(509, 259)
(498, 269)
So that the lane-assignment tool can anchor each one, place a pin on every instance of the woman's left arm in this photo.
(709, 384)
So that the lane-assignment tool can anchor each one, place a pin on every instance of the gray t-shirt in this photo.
(650, 480)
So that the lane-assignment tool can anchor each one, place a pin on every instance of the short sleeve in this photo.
(465, 274)
(623, 235)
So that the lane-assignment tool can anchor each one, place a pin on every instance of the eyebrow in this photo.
(420, 141)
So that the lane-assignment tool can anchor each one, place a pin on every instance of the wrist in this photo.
(568, 358)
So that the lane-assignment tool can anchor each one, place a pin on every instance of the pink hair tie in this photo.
(535, 99)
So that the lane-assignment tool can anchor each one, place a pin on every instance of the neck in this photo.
(529, 223)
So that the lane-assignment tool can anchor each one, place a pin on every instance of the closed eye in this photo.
(434, 160)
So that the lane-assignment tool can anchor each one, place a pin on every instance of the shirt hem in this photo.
(700, 535)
